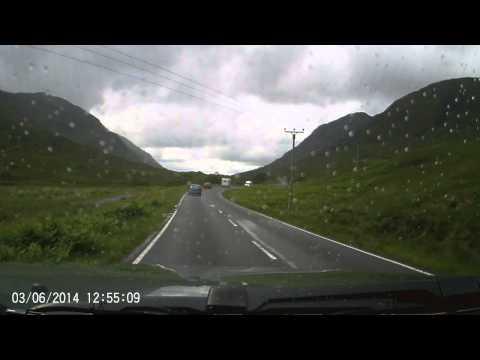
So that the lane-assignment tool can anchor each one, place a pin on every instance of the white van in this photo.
(226, 182)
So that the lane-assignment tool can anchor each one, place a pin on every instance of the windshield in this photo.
(315, 161)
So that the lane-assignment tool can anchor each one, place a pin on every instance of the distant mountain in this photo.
(62, 118)
(145, 157)
(46, 139)
(446, 110)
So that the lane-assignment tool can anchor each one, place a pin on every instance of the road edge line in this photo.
(331, 240)
(155, 239)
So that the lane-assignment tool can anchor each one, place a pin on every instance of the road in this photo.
(212, 232)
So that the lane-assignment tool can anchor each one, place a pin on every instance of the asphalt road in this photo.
(211, 232)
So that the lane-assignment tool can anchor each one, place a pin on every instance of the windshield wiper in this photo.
(101, 309)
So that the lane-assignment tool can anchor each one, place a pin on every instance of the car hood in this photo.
(242, 287)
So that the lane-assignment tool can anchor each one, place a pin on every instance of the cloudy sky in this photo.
(224, 108)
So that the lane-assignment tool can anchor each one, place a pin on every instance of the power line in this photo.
(135, 66)
(128, 75)
(167, 70)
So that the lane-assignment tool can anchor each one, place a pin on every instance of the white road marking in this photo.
(264, 250)
(231, 222)
(211, 205)
(272, 250)
(336, 242)
(149, 247)
(220, 211)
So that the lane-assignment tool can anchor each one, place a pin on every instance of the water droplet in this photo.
(406, 149)
(379, 137)
(50, 149)
(69, 169)
(456, 100)
(71, 124)
(368, 131)
(26, 132)
(345, 127)
(424, 93)
(350, 133)
(33, 102)
(102, 143)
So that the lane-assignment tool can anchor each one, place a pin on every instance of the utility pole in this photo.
(292, 165)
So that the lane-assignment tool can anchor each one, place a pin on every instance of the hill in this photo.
(45, 139)
(60, 117)
(444, 111)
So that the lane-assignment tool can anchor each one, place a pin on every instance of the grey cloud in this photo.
(374, 76)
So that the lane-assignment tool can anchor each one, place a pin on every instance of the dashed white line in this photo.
(273, 257)
(259, 241)
(231, 222)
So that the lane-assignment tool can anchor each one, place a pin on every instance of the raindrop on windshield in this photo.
(72, 124)
(50, 149)
(350, 133)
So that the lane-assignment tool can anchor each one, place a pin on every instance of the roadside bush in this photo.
(7, 253)
(128, 212)
(154, 203)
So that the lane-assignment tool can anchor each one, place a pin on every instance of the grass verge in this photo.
(64, 224)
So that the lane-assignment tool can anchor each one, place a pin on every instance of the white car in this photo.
(248, 183)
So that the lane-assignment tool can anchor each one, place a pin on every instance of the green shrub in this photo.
(155, 203)
(128, 212)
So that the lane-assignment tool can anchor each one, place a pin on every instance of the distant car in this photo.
(207, 185)
(248, 183)
(195, 190)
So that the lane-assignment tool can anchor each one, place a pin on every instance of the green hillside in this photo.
(441, 112)
(61, 118)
